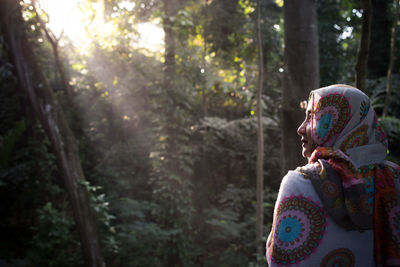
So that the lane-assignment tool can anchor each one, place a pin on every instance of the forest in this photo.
(156, 132)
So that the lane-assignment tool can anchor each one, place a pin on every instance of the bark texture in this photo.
(260, 141)
(363, 51)
(301, 75)
(391, 62)
(35, 86)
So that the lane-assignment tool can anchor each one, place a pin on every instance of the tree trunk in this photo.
(169, 35)
(363, 51)
(391, 62)
(33, 83)
(378, 60)
(170, 11)
(300, 76)
(204, 63)
(260, 142)
(53, 40)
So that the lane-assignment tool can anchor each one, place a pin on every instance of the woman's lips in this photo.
(303, 142)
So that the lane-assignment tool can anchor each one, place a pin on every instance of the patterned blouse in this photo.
(303, 233)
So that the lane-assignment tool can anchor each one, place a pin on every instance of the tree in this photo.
(331, 53)
(391, 61)
(363, 51)
(378, 59)
(301, 74)
(54, 42)
(260, 137)
(35, 86)
(172, 168)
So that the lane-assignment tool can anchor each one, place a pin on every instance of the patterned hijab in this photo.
(343, 119)
(348, 171)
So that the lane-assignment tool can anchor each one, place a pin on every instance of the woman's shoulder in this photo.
(307, 171)
(299, 180)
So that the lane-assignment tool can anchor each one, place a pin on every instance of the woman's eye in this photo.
(308, 116)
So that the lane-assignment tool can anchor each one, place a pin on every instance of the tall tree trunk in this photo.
(378, 60)
(363, 51)
(54, 42)
(300, 76)
(204, 63)
(33, 83)
(170, 11)
(391, 62)
(260, 141)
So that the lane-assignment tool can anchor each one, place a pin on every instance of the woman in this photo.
(342, 208)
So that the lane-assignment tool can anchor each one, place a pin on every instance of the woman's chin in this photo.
(306, 153)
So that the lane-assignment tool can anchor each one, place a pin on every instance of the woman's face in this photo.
(305, 132)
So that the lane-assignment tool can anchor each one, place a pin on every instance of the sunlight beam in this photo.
(81, 26)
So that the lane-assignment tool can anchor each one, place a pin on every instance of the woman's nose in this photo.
(300, 130)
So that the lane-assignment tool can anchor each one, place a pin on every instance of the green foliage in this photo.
(226, 27)
(101, 208)
(171, 159)
(226, 206)
(136, 230)
(229, 148)
(229, 226)
(33, 230)
(54, 243)
(391, 126)
(376, 89)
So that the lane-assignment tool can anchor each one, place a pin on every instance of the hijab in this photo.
(348, 168)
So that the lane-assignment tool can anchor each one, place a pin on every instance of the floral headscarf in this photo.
(362, 193)
(343, 119)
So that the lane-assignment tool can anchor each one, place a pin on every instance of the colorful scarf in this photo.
(348, 170)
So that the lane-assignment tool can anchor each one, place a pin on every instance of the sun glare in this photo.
(65, 16)
(151, 36)
(77, 24)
